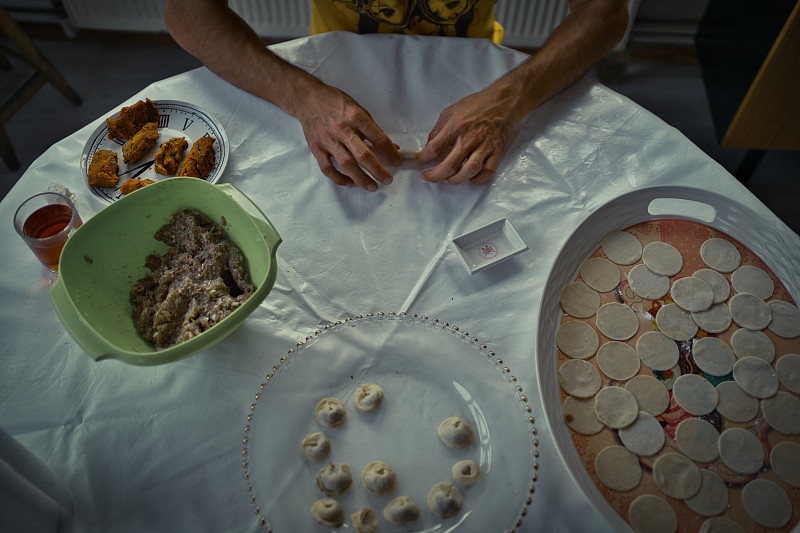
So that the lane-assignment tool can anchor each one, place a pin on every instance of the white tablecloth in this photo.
(159, 448)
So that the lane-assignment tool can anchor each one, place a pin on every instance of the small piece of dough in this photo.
(698, 439)
(401, 511)
(741, 451)
(600, 274)
(752, 279)
(579, 415)
(379, 479)
(695, 394)
(579, 378)
(767, 503)
(735, 404)
(615, 407)
(785, 319)
(335, 481)
(713, 356)
(622, 247)
(785, 461)
(457, 433)
(749, 343)
(645, 437)
(721, 255)
(676, 323)
(716, 319)
(618, 360)
(466, 472)
(749, 311)
(579, 300)
(618, 468)
(662, 258)
(647, 284)
(365, 521)
(617, 321)
(368, 397)
(676, 475)
(651, 394)
(316, 447)
(756, 377)
(692, 294)
(649, 513)
(788, 369)
(330, 412)
(720, 524)
(577, 339)
(445, 500)
(719, 284)
(328, 512)
(712, 498)
(782, 413)
(657, 351)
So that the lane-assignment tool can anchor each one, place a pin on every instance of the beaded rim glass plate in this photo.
(429, 370)
(176, 119)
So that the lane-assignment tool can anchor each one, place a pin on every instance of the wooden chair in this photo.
(44, 72)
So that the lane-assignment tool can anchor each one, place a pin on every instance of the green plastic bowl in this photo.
(105, 257)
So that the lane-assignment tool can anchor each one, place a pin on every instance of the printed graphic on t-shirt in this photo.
(432, 17)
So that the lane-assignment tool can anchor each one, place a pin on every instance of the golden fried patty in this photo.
(200, 160)
(144, 139)
(131, 119)
(104, 169)
(169, 156)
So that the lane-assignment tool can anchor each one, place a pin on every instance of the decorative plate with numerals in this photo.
(176, 119)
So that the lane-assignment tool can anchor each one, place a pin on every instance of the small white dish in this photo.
(488, 245)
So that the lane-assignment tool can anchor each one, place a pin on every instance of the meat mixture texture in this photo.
(199, 281)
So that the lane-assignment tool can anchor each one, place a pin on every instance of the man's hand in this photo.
(338, 129)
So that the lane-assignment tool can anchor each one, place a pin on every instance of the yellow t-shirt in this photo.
(454, 18)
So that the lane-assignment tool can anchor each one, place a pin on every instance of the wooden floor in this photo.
(106, 69)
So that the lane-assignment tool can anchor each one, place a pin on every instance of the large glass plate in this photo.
(429, 371)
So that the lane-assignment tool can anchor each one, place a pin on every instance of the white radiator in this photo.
(527, 23)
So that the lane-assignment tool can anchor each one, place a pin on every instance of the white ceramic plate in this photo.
(429, 371)
(176, 119)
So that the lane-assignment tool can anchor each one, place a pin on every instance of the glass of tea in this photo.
(44, 222)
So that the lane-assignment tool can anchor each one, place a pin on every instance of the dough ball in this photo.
(718, 283)
(401, 511)
(334, 481)
(651, 394)
(647, 284)
(577, 339)
(600, 274)
(466, 472)
(579, 378)
(579, 300)
(330, 412)
(615, 407)
(692, 294)
(741, 451)
(649, 513)
(579, 415)
(368, 397)
(721, 255)
(622, 247)
(618, 468)
(328, 512)
(456, 433)
(767, 503)
(662, 258)
(617, 321)
(785, 319)
(365, 521)
(677, 476)
(445, 500)
(379, 479)
(316, 447)
(657, 351)
(753, 280)
(676, 323)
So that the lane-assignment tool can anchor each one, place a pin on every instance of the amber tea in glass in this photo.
(44, 222)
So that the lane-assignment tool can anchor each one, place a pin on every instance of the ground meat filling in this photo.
(199, 281)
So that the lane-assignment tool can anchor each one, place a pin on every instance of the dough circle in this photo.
(695, 394)
(369, 397)
(735, 404)
(712, 498)
(719, 284)
(713, 356)
(749, 311)
(741, 451)
(785, 319)
(378, 478)
(752, 279)
(716, 319)
(622, 247)
(617, 321)
(466, 472)
(457, 433)
(618, 468)
(579, 415)
(788, 369)
(720, 524)
(721, 255)
(647, 284)
(782, 413)
(649, 513)
(657, 351)
(692, 294)
(577, 339)
(600, 274)
(767, 503)
(662, 258)
(785, 461)
(756, 377)
(330, 412)
(615, 407)
(651, 394)
(645, 437)
(579, 300)
(676, 323)
(618, 360)
(698, 439)
(579, 378)
(749, 343)
(445, 500)
(676, 475)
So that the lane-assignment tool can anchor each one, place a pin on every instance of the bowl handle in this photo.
(268, 231)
